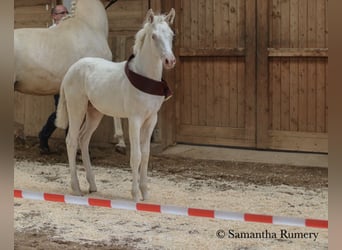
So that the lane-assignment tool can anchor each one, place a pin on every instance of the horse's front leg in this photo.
(135, 158)
(146, 133)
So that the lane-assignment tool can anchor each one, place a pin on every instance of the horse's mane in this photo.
(141, 34)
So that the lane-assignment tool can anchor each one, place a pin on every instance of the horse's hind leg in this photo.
(92, 121)
(76, 117)
(120, 146)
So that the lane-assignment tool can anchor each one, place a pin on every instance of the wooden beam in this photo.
(212, 52)
(298, 52)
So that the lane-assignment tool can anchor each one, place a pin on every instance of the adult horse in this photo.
(42, 56)
(133, 89)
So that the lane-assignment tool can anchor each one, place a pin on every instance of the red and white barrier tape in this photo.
(175, 210)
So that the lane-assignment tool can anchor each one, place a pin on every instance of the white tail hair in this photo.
(62, 120)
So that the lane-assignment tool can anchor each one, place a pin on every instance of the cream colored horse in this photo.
(42, 56)
(93, 87)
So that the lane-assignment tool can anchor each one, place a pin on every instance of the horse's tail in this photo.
(62, 120)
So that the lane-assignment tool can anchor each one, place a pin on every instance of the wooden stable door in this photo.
(292, 64)
(216, 72)
(252, 73)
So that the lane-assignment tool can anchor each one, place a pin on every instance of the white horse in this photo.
(42, 56)
(93, 87)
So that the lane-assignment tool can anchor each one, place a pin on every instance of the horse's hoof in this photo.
(77, 193)
(145, 197)
(120, 149)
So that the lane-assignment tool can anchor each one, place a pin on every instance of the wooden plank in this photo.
(262, 74)
(218, 36)
(285, 65)
(22, 3)
(294, 13)
(312, 98)
(225, 93)
(210, 91)
(275, 96)
(215, 141)
(215, 136)
(320, 67)
(186, 101)
(285, 24)
(298, 52)
(241, 25)
(299, 141)
(241, 95)
(275, 29)
(321, 23)
(214, 52)
(208, 131)
(202, 92)
(285, 94)
(231, 19)
(312, 71)
(233, 92)
(302, 96)
(209, 62)
(321, 96)
(293, 94)
(202, 84)
(194, 63)
(312, 24)
(302, 67)
(186, 25)
(248, 71)
(217, 87)
(209, 25)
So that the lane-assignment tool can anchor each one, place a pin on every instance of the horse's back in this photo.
(103, 82)
(42, 55)
(95, 71)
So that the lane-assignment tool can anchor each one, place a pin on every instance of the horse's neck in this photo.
(93, 13)
(148, 65)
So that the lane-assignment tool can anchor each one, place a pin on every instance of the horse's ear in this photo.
(149, 16)
(171, 16)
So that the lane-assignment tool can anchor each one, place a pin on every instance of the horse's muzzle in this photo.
(169, 62)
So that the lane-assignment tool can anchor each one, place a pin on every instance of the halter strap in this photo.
(146, 84)
(110, 3)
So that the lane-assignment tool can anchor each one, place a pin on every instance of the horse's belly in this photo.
(37, 87)
(114, 109)
(36, 81)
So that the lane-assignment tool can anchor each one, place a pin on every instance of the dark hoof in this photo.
(121, 150)
(44, 150)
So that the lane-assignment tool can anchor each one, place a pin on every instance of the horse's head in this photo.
(161, 35)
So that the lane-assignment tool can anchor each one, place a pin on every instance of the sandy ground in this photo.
(236, 187)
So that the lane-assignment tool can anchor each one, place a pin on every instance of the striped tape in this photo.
(174, 210)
